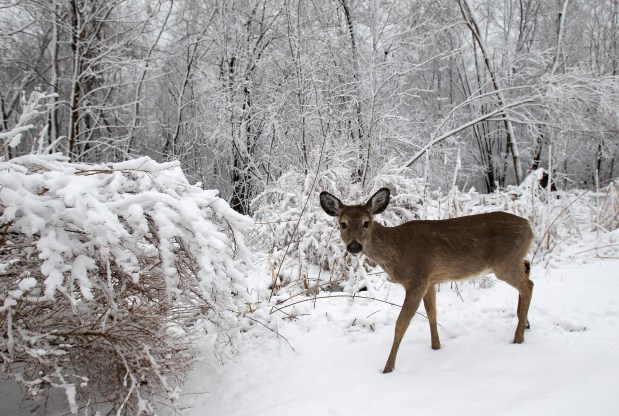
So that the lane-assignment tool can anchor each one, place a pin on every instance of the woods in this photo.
(242, 92)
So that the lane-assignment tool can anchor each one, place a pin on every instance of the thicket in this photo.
(109, 272)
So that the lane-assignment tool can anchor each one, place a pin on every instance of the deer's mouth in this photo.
(354, 247)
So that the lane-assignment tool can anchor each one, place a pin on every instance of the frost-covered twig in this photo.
(33, 107)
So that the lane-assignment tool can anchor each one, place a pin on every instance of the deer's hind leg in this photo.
(429, 303)
(518, 277)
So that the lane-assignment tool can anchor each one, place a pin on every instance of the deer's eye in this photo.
(343, 225)
(366, 224)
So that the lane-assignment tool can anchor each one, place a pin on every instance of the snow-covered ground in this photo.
(568, 364)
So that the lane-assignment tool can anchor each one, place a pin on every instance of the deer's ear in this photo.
(379, 201)
(330, 204)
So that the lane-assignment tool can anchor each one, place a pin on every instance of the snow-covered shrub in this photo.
(302, 241)
(295, 232)
(608, 211)
(583, 222)
(107, 272)
(410, 198)
(560, 219)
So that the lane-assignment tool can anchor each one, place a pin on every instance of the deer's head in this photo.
(356, 221)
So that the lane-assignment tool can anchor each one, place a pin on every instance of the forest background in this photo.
(241, 92)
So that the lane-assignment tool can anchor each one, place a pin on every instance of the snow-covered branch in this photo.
(33, 107)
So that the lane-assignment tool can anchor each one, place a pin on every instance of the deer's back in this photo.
(457, 248)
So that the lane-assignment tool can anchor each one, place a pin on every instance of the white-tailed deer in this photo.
(420, 254)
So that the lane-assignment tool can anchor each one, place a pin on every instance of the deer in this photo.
(420, 254)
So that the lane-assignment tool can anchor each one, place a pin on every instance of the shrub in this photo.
(107, 272)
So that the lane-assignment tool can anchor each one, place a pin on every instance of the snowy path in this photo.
(568, 365)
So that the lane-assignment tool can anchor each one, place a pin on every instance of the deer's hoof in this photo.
(387, 370)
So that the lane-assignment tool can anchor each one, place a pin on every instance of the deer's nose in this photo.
(354, 247)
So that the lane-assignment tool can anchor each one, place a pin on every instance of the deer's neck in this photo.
(380, 249)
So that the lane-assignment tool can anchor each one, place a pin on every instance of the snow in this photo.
(568, 364)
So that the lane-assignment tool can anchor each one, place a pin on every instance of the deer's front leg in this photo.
(411, 304)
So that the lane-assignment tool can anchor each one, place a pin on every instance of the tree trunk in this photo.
(361, 164)
(53, 113)
(74, 98)
(557, 59)
(467, 14)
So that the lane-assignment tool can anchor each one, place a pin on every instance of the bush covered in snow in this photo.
(106, 274)
(302, 241)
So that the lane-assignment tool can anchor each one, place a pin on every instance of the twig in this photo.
(271, 329)
(555, 220)
(279, 309)
(306, 292)
(372, 314)
(595, 248)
